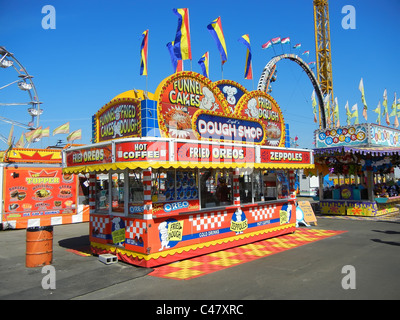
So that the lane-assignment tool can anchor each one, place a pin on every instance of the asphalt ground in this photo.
(315, 271)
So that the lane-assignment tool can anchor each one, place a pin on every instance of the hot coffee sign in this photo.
(190, 106)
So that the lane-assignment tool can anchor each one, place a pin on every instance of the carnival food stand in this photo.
(187, 173)
(35, 193)
(362, 159)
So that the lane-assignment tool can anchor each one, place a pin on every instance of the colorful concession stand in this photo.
(197, 167)
(361, 158)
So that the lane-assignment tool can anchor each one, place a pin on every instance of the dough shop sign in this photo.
(214, 127)
(119, 118)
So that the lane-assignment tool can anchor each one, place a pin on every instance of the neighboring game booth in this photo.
(362, 159)
(35, 193)
(197, 167)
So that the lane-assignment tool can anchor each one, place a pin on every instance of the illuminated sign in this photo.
(119, 118)
(190, 106)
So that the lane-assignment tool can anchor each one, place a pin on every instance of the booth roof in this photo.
(374, 151)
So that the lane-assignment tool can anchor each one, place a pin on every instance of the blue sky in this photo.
(93, 54)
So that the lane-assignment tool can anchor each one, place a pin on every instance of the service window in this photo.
(136, 191)
(102, 192)
(251, 186)
(174, 185)
(282, 185)
(216, 188)
(117, 191)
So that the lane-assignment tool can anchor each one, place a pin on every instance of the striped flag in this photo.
(267, 45)
(378, 111)
(182, 47)
(177, 65)
(354, 113)
(10, 136)
(297, 46)
(361, 88)
(20, 143)
(306, 52)
(215, 29)
(203, 62)
(348, 113)
(248, 72)
(75, 135)
(285, 40)
(143, 53)
(385, 107)
(64, 128)
(314, 106)
(46, 132)
(276, 40)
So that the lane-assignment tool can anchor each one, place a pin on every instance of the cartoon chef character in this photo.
(252, 110)
(162, 228)
(208, 101)
(230, 96)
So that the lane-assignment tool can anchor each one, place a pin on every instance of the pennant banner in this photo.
(248, 72)
(182, 47)
(215, 29)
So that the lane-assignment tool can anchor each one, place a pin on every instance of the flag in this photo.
(378, 111)
(276, 40)
(267, 45)
(248, 72)
(336, 113)
(33, 134)
(394, 112)
(361, 88)
(182, 47)
(314, 105)
(46, 132)
(143, 53)
(306, 52)
(327, 110)
(285, 40)
(354, 113)
(75, 135)
(64, 128)
(215, 29)
(297, 46)
(311, 64)
(10, 136)
(20, 143)
(177, 65)
(348, 113)
(385, 107)
(203, 62)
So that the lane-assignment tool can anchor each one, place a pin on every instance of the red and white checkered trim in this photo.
(208, 220)
(99, 223)
(263, 212)
(135, 229)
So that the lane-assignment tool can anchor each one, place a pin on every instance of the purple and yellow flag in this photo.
(215, 28)
(182, 47)
(203, 62)
(177, 65)
(143, 53)
(248, 72)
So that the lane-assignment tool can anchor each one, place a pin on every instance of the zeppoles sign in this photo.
(119, 118)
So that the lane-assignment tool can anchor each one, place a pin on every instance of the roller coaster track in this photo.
(268, 72)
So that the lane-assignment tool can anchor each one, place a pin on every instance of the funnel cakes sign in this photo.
(190, 106)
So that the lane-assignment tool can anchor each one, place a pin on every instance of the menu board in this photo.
(34, 191)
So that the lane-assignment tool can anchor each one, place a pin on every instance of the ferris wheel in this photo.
(18, 90)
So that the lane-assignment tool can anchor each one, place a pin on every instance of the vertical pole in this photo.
(147, 203)
(92, 192)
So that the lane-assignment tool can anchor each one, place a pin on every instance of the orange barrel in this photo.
(39, 246)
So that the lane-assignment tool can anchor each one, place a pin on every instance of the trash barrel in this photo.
(39, 246)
